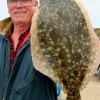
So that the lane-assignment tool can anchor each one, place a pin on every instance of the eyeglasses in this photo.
(14, 1)
(23, 2)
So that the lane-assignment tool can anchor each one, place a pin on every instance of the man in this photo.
(19, 80)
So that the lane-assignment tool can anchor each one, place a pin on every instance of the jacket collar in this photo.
(5, 25)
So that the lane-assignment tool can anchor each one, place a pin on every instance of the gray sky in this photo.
(92, 6)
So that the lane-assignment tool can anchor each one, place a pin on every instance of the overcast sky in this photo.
(92, 6)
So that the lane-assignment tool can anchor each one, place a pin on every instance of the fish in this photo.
(63, 44)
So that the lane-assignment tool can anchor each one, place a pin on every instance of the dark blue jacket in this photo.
(23, 82)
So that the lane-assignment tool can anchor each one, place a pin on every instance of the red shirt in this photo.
(22, 40)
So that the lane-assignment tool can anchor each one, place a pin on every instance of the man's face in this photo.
(21, 10)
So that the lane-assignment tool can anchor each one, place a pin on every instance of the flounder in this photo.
(62, 44)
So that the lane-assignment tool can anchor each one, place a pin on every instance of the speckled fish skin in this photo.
(65, 43)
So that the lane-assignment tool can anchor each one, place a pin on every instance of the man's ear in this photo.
(36, 3)
(35, 6)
